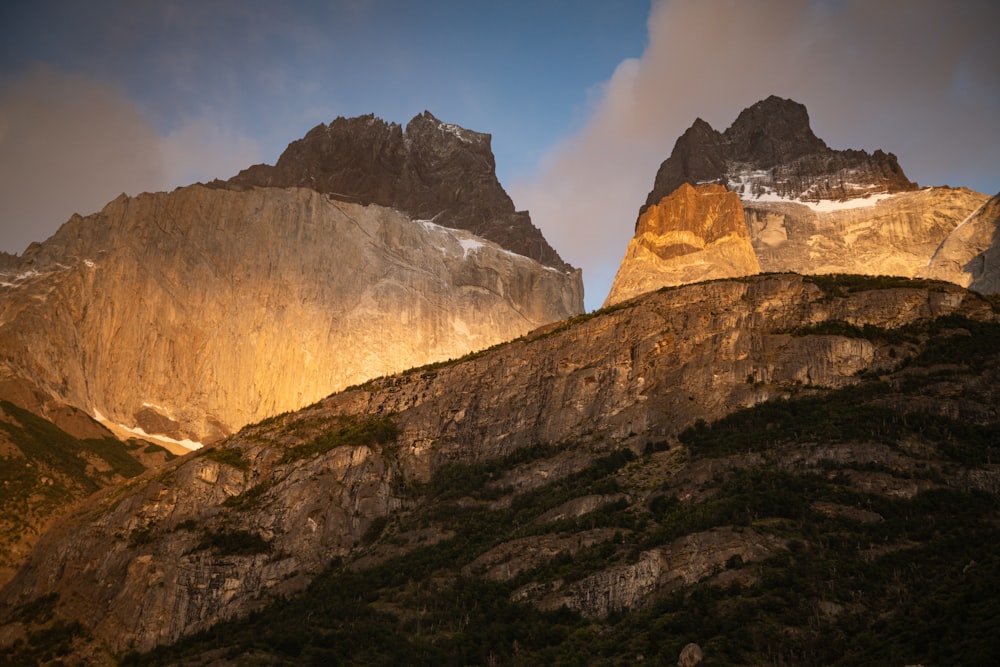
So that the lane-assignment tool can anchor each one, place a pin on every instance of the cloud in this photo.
(201, 150)
(69, 144)
(918, 80)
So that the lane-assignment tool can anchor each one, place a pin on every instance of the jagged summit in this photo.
(795, 204)
(770, 152)
(433, 170)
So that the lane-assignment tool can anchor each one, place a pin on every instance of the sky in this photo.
(584, 98)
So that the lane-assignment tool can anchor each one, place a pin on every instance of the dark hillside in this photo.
(850, 518)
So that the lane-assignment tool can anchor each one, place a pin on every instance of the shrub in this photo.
(347, 430)
(235, 543)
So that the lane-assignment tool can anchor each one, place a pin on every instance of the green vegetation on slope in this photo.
(884, 561)
(52, 469)
(371, 431)
(43, 442)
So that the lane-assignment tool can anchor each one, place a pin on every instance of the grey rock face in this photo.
(432, 171)
(896, 235)
(970, 255)
(771, 148)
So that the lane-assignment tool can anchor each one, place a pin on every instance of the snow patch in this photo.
(138, 432)
(456, 131)
(159, 408)
(470, 245)
(828, 205)
(456, 238)
(748, 186)
(13, 280)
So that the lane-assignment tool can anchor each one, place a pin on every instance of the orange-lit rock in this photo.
(893, 235)
(696, 233)
(194, 312)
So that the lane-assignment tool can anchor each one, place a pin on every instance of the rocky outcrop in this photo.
(627, 587)
(508, 560)
(771, 151)
(191, 313)
(432, 171)
(219, 532)
(695, 233)
(970, 255)
(690, 656)
(893, 235)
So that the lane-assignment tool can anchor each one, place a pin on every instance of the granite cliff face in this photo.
(893, 235)
(432, 171)
(695, 233)
(807, 208)
(191, 313)
(970, 255)
(222, 531)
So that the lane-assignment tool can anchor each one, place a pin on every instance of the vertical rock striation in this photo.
(970, 256)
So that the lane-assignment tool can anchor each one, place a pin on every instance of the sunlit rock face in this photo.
(879, 235)
(806, 208)
(970, 256)
(696, 233)
(191, 313)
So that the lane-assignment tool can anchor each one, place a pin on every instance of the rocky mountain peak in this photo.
(429, 131)
(771, 151)
(772, 132)
(433, 171)
(431, 492)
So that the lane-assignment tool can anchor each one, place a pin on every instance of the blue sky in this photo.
(583, 98)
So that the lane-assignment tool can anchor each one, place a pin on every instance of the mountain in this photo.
(51, 455)
(779, 460)
(188, 314)
(432, 171)
(175, 318)
(770, 149)
(807, 208)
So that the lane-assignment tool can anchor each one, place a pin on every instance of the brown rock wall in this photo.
(696, 233)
